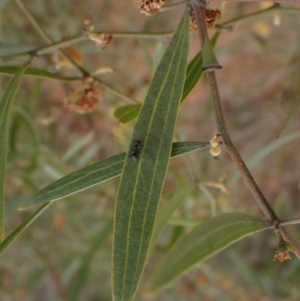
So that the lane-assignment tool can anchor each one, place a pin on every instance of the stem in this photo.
(234, 154)
(78, 38)
(221, 125)
(199, 12)
(47, 48)
(143, 35)
(288, 238)
(290, 222)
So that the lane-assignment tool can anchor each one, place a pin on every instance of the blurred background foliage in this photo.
(66, 253)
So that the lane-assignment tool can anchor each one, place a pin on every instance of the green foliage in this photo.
(142, 179)
(203, 242)
(95, 174)
(194, 70)
(6, 104)
(12, 236)
(193, 73)
(162, 213)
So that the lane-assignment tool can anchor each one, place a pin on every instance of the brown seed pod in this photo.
(282, 256)
(85, 99)
(211, 16)
(151, 7)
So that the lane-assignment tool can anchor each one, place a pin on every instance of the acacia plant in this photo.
(138, 220)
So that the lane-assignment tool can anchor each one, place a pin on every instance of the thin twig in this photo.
(46, 49)
(199, 12)
(234, 154)
(221, 125)
(290, 222)
(288, 238)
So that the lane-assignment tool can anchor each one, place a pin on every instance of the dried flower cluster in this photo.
(151, 7)
(215, 142)
(282, 256)
(102, 40)
(84, 99)
(211, 16)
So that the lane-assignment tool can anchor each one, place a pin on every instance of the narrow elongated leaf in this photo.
(29, 123)
(6, 104)
(143, 178)
(11, 237)
(203, 242)
(78, 181)
(180, 148)
(194, 70)
(35, 72)
(95, 174)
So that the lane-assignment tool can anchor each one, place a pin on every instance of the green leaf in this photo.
(6, 104)
(35, 72)
(203, 242)
(11, 237)
(193, 73)
(194, 70)
(28, 122)
(210, 62)
(127, 113)
(95, 174)
(78, 181)
(180, 148)
(143, 179)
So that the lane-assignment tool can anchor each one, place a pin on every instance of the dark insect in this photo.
(136, 149)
